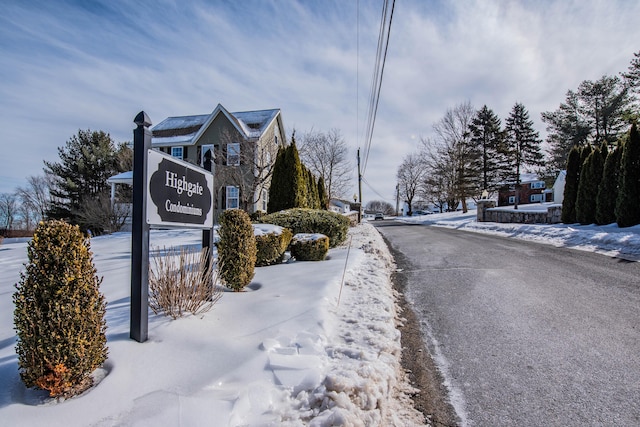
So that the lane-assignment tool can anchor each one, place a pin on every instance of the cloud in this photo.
(70, 65)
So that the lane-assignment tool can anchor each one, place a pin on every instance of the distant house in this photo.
(339, 206)
(532, 191)
(240, 148)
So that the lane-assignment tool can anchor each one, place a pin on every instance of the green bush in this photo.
(236, 249)
(309, 247)
(59, 312)
(271, 245)
(331, 224)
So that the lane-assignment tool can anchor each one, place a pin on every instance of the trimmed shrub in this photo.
(628, 202)
(608, 191)
(271, 243)
(309, 247)
(182, 282)
(236, 249)
(59, 312)
(571, 186)
(256, 217)
(331, 224)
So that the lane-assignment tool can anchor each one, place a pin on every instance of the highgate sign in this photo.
(167, 192)
(179, 194)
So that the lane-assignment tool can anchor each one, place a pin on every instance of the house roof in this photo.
(186, 130)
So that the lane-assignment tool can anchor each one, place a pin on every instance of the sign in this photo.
(179, 193)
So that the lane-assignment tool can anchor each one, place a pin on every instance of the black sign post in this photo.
(167, 192)
(140, 231)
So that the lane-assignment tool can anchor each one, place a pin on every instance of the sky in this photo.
(70, 65)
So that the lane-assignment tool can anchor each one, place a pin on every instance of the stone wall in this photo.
(488, 213)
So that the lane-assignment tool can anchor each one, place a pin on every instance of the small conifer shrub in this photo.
(271, 244)
(59, 312)
(236, 249)
(309, 247)
(331, 224)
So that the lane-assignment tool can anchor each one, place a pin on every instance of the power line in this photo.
(374, 190)
(378, 73)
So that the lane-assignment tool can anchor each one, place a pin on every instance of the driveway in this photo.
(524, 334)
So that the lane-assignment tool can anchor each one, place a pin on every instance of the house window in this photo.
(535, 198)
(265, 195)
(512, 200)
(233, 198)
(233, 154)
(206, 156)
(176, 152)
(537, 185)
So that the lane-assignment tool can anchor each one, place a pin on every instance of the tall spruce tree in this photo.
(588, 185)
(80, 178)
(608, 191)
(486, 135)
(628, 202)
(522, 145)
(571, 186)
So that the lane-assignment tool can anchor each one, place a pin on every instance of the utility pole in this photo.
(359, 189)
(397, 199)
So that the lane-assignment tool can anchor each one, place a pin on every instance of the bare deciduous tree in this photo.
(8, 210)
(35, 196)
(454, 141)
(439, 183)
(327, 155)
(251, 174)
(380, 206)
(410, 175)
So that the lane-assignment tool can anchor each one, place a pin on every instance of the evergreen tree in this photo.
(588, 185)
(288, 187)
(322, 194)
(566, 128)
(486, 135)
(80, 178)
(571, 186)
(628, 202)
(596, 112)
(312, 190)
(608, 191)
(522, 145)
(59, 312)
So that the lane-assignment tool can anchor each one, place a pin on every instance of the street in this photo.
(524, 334)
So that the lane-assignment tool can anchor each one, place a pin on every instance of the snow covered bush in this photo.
(182, 282)
(236, 249)
(59, 312)
(271, 243)
(309, 247)
(331, 224)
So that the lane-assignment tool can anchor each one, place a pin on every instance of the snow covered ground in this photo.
(608, 240)
(295, 349)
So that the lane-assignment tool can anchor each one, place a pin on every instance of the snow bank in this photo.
(608, 240)
(296, 349)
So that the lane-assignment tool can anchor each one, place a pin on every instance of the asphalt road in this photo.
(524, 334)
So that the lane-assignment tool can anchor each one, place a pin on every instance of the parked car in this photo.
(378, 216)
